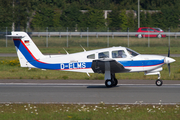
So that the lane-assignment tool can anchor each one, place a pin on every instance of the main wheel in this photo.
(115, 82)
(159, 82)
(108, 83)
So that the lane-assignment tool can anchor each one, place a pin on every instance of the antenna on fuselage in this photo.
(66, 51)
(83, 48)
(88, 74)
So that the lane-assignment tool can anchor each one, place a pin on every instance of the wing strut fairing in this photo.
(100, 66)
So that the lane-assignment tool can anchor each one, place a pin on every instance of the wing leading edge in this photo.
(101, 65)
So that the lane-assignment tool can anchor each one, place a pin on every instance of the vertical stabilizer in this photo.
(27, 51)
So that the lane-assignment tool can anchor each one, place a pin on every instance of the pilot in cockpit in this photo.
(121, 54)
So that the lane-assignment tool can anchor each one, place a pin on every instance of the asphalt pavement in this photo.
(89, 92)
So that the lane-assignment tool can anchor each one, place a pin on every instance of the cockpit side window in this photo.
(92, 56)
(103, 55)
(131, 52)
(119, 54)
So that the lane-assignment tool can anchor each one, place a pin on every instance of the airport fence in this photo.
(68, 37)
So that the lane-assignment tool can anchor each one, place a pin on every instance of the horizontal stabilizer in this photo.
(15, 36)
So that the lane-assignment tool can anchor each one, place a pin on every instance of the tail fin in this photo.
(27, 51)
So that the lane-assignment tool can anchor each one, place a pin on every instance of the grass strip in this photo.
(101, 111)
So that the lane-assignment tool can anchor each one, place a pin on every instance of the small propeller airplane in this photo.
(107, 61)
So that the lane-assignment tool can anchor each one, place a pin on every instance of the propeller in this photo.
(169, 63)
(168, 59)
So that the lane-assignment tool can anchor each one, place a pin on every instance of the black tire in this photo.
(115, 82)
(108, 83)
(159, 82)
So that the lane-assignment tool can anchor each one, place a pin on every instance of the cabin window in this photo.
(92, 56)
(119, 54)
(103, 55)
(131, 52)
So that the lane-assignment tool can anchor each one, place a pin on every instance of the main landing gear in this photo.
(111, 82)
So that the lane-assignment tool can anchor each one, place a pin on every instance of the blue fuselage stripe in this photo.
(141, 63)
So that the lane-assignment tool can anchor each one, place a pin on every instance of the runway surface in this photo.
(89, 93)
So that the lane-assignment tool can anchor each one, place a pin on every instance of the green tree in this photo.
(70, 16)
(158, 20)
(149, 21)
(92, 19)
(131, 20)
(6, 16)
(56, 19)
(43, 17)
(143, 19)
(22, 12)
(123, 20)
(16, 11)
(96, 19)
(114, 20)
(171, 16)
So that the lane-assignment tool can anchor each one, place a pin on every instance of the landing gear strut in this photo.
(159, 82)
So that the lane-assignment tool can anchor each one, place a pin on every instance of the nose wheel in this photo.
(159, 82)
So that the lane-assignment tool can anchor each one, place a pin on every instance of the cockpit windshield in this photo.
(132, 52)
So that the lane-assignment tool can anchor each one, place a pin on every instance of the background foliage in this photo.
(33, 14)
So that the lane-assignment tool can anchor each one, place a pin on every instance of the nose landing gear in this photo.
(159, 82)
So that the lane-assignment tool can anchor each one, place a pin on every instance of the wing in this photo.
(101, 65)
